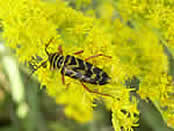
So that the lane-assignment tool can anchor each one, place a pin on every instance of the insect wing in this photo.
(78, 74)
(84, 71)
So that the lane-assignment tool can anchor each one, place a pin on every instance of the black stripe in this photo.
(51, 58)
(104, 79)
(67, 59)
(73, 61)
(97, 70)
(88, 68)
(97, 78)
(56, 56)
(81, 64)
(60, 61)
(88, 74)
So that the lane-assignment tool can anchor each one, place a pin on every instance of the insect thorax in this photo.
(56, 60)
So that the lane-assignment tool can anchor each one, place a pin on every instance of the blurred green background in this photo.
(26, 107)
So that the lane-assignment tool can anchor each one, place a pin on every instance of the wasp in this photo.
(76, 68)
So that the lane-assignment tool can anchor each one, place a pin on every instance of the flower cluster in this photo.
(157, 17)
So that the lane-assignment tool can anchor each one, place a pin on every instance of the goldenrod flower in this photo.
(133, 44)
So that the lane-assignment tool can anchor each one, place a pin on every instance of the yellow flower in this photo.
(129, 31)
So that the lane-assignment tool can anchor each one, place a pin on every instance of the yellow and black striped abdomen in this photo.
(84, 71)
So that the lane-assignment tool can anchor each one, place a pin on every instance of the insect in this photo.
(76, 68)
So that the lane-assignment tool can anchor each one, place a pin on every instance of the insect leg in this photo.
(78, 52)
(60, 49)
(95, 92)
(63, 79)
(97, 55)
